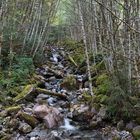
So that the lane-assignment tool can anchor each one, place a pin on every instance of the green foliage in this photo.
(103, 84)
(76, 49)
(109, 92)
(69, 82)
(119, 104)
(17, 76)
(22, 69)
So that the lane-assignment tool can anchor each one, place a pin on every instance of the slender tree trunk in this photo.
(86, 47)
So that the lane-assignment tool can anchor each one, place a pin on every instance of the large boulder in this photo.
(51, 116)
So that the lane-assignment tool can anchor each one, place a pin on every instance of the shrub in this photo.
(20, 73)
(119, 104)
(103, 84)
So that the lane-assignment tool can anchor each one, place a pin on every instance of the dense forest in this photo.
(69, 69)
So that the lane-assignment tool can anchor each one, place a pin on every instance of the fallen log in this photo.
(72, 60)
(51, 93)
(55, 72)
(32, 90)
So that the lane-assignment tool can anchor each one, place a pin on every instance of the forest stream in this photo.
(51, 111)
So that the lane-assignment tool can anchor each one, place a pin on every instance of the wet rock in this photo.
(37, 132)
(51, 101)
(25, 128)
(28, 110)
(67, 125)
(20, 138)
(53, 136)
(43, 96)
(125, 135)
(103, 112)
(120, 125)
(34, 138)
(136, 131)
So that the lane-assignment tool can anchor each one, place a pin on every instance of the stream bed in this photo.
(46, 117)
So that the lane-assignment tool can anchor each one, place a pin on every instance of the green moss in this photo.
(26, 91)
(136, 132)
(103, 84)
(13, 109)
(100, 67)
(102, 78)
(31, 120)
(104, 99)
(96, 106)
(69, 82)
(87, 97)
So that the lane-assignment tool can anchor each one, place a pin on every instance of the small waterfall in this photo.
(55, 58)
(67, 125)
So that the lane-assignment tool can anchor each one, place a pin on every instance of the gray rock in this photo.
(3, 113)
(130, 126)
(14, 123)
(103, 112)
(43, 96)
(120, 125)
(38, 133)
(25, 128)
(34, 138)
(125, 135)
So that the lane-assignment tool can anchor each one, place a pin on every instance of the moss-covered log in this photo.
(51, 93)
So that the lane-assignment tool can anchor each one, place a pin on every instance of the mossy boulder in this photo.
(136, 132)
(69, 83)
(31, 120)
(26, 91)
